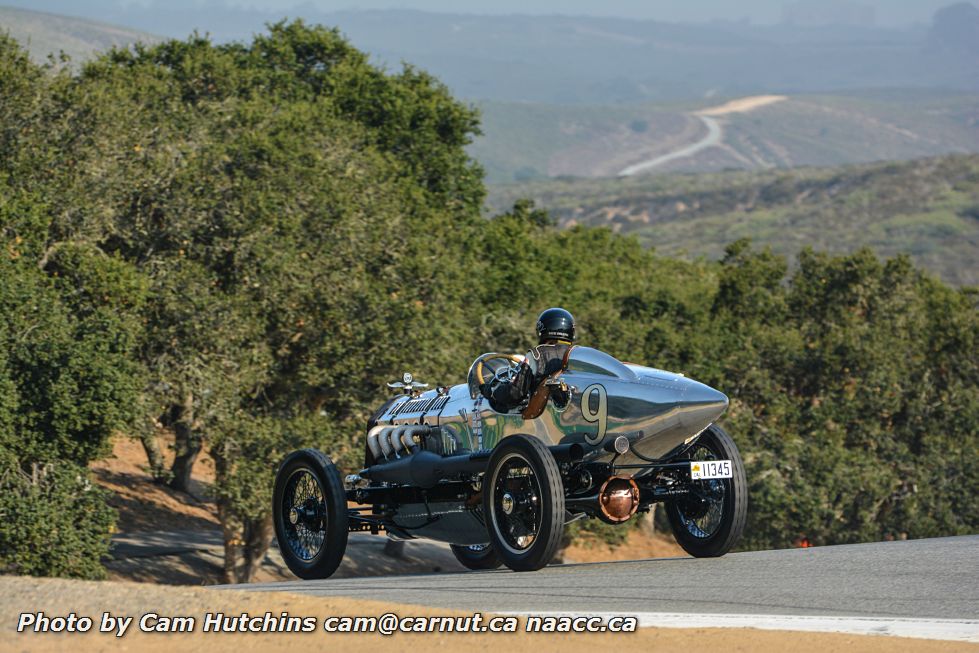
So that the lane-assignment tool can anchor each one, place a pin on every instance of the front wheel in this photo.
(476, 557)
(710, 520)
(523, 502)
(309, 511)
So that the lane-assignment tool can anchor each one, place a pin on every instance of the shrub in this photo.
(53, 521)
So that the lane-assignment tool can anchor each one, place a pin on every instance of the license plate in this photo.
(704, 469)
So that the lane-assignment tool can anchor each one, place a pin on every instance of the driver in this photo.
(555, 335)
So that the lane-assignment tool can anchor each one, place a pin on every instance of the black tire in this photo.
(523, 475)
(726, 502)
(314, 538)
(477, 557)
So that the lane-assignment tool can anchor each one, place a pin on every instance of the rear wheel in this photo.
(476, 556)
(309, 512)
(710, 520)
(523, 501)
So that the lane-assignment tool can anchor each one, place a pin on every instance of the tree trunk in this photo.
(661, 521)
(153, 455)
(230, 527)
(246, 541)
(648, 523)
(232, 550)
(187, 444)
(258, 537)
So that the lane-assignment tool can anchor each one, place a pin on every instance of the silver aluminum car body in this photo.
(657, 411)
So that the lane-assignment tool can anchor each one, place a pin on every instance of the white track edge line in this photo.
(960, 630)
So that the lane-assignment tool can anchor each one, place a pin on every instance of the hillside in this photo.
(928, 208)
(833, 130)
(528, 141)
(43, 34)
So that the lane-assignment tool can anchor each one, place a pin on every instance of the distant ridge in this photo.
(44, 34)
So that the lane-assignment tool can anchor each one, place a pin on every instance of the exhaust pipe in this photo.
(394, 440)
(403, 437)
(408, 433)
(372, 440)
(385, 440)
(425, 468)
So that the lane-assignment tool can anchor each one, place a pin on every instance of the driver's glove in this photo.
(484, 389)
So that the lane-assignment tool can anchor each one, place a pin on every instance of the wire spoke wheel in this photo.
(523, 501)
(305, 512)
(703, 513)
(309, 512)
(516, 503)
(710, 519)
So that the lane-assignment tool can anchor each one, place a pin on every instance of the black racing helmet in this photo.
(555, 324)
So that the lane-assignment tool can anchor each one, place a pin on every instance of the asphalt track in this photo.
(919, 579)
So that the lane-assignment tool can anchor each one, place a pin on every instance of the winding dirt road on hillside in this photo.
(713, 137)
(715, 133)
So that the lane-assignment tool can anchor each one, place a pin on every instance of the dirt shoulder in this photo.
(144, 505)
(639, 545)
(57, 597)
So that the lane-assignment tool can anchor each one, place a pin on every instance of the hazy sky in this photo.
(888, 12)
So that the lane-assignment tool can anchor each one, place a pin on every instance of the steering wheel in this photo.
(504, 373)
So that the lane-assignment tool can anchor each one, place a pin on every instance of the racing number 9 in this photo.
(599, 415)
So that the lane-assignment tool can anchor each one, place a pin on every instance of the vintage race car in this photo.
(599, 438)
